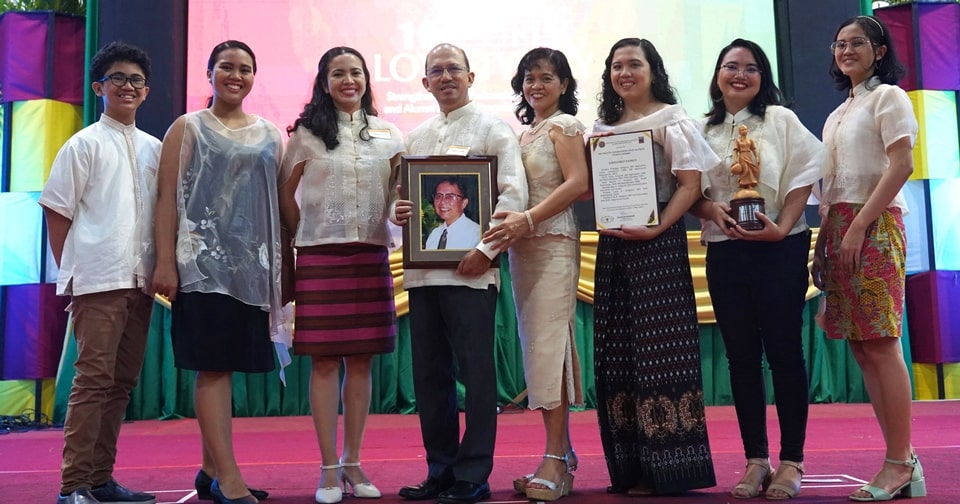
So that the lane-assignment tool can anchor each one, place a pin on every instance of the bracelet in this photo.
(526, 213)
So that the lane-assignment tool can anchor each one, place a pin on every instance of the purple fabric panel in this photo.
(899, 19)
(932, 298)
(940, 45)
(69, 81)
(33, 331)
(23, 55)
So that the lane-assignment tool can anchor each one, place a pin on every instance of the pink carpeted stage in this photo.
(280, 454)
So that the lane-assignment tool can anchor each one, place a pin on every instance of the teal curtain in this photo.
(166, 392)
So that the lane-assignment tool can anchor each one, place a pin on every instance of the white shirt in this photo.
(790, 158)
(857, 135)
(678, 145)
(346, 194)
(104, 180)
(485, 135)
(462, 234)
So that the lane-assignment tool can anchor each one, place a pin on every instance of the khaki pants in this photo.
(111, 332)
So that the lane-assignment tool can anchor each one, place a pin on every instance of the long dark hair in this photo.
(568, 103)
(320, 115)
(888, 69)
(223, 46)
(611, 104)
(769, 93)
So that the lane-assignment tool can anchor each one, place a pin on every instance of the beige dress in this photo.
(545, 269)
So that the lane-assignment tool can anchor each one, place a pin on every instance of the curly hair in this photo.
(769, 93)
(888, 68)
(118, 51)
(611, 104)
(568, 103)
(320, 115)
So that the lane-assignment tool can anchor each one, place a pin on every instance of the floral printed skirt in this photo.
(868, 304)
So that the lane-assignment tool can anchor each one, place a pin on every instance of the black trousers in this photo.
(452, 331)
(758, 291)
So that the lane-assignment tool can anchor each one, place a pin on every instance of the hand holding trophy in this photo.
(747, 201)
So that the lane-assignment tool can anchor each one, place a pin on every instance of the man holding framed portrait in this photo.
(452, 311)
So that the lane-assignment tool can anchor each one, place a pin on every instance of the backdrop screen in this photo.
(289, 36)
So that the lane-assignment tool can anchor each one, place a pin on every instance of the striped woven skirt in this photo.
(869, 303)
(344, 296)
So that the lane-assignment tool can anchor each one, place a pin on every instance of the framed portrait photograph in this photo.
(453, 198)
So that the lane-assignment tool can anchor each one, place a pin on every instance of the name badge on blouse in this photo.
(458, 150)
(379, 133)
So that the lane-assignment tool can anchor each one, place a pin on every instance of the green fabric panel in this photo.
(165, 392)
(92, 35)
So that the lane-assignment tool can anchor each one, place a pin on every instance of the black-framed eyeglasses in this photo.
(854, 43)
(120, 80)
(453, 70)
(448, 197)
(735, 69)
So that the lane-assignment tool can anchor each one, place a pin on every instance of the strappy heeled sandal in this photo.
(753, 479)
(573, 463)
(789, 486)
(553, 491)
(916, 486)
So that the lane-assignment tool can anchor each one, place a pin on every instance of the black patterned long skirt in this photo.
(647, 358)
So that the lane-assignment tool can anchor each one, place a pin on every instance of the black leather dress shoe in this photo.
(203, 481)
(465, 492)
(428, 489)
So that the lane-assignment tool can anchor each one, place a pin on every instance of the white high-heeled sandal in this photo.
(362, 490)
(333, 494)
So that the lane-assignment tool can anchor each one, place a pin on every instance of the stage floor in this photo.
(279, 454)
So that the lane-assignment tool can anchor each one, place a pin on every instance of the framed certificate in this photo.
(453, 198)
(624, 182)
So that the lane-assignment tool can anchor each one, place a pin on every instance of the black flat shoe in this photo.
(465, 492)
(203, 481)
(428, 489)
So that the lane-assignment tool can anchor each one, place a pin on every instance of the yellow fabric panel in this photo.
(39, 129)
(951, 381)
(588, 260)
(925, 381)
(17, 397)
(935, 154)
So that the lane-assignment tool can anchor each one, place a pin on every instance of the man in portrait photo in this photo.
(456, 231)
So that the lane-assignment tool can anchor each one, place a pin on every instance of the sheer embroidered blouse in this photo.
(485, 135)
(228, 237)
(857, 135)
(679, 145)
(790, 157)
(346, 194)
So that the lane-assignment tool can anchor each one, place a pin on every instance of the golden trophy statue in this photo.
(747, 201)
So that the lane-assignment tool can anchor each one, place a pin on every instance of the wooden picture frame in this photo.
(453, 198)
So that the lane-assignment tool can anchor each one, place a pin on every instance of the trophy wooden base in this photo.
(743, 210)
